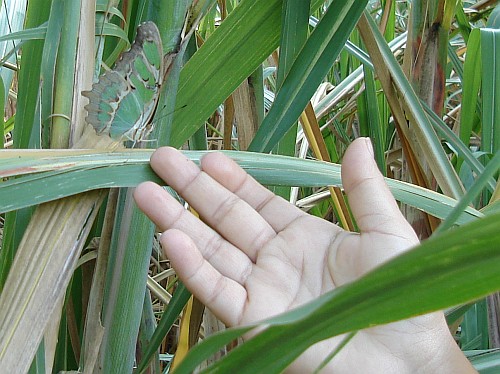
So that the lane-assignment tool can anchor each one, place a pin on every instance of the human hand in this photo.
(254, 255)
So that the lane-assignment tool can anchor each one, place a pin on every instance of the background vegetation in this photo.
(84, 284)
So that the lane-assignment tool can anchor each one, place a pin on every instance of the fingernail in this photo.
(369, 146)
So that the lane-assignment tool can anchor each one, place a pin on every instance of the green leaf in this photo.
(26, 132)
(48, 70)
(307, 72)
(63, 175)
(490, 44)
(125, 285)
(491, 170)
(486, 362)
(460, 148)
(377, 130)
(64, 76)
(294, 28)
(28, 34)
(470, 85)
(444, 271)
(425, 135)
(245, 38)
(494, 19)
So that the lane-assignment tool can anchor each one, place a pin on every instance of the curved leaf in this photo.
(444, 271)
(73, 171)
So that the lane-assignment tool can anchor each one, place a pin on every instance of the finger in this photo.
(371, 201)
(225, 297)
(232, 217)
(167, 213)
(278, 212)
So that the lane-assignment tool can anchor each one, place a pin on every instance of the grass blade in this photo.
(428, 273)
(307, 72)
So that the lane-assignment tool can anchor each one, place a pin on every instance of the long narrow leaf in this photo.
(454, 268)
(462, 150)
(294, 31)
(491, 169)
(490, 46)
(66, 176)
(248, 36)
(307, 72)
(127, 273)
(471, 83)
(49, 255)
(428, 141)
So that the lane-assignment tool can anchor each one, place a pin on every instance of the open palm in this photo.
(253, 255)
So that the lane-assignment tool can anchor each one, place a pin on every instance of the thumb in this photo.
(371, 201)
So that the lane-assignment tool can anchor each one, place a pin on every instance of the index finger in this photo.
(224, 211)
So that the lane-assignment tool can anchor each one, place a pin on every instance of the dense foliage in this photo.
(84, 284)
